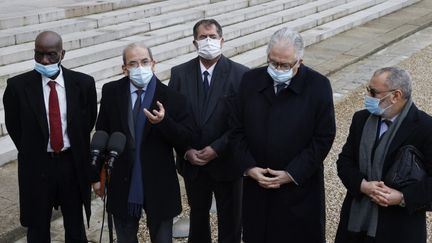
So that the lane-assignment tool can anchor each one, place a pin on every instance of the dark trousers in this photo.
(127, 230)
(62, 190)
(228, 203)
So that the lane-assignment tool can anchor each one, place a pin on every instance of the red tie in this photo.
(56, 133)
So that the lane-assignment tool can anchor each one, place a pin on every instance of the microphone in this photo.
(97, 145)
(115, 147)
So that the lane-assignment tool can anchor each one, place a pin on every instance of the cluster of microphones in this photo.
(106, 147)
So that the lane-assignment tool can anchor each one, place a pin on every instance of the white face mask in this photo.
(140, 76)
(209, 48)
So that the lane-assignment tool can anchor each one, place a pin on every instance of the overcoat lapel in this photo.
(125, 109)
(404, 131)
(35, 95)
(72, 96)
(194, 78)
(217, 86)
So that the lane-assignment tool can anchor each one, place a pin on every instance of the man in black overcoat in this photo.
(49, 113)
(154, 120)
(284, 128)
(373, 210)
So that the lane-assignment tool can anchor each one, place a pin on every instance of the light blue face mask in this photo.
(372, 105)
(140, 76)
(47, 70)
(279, 76)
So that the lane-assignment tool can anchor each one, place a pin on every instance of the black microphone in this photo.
(97, 145)
(115, 147)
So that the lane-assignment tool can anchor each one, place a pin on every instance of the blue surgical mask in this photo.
(47, 70)
(140, 76)
(372, 105)
(279, 76)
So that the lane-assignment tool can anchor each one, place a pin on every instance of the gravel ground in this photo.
(419, 66)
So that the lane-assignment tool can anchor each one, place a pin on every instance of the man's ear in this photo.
(125, 70)
(397, 95)
(194, 42)
(153, 66)
(62, 54)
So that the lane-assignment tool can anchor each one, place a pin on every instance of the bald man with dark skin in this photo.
(49, 113)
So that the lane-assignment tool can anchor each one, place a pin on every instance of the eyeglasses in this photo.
(374, 92)
(143, 62)
(281, 66)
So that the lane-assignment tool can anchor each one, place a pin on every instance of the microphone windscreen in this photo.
(99, 140)
(117, 142)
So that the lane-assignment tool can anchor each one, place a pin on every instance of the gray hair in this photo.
(397, 78)
(133, 46)
(288, 37)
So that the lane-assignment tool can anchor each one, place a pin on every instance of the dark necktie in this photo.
(56, 132)
(137, 105)
(388, 123)
(206, 85)
(280, 87)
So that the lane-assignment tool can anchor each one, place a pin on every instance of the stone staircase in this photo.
(95, 33)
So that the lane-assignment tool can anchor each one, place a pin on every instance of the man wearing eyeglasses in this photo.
(210, 81)
(374, 210)
(284, 128)
(154, 119)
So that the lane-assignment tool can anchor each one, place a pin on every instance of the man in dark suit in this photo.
(210, 81)
(154, 120)
(284, 129)
(49, 113)
(372, 210)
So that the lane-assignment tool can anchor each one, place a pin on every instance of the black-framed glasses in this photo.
(281, 66)
(373, 92)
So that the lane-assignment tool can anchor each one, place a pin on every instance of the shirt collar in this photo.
(133, 88)
(59, 80)
(209, 70)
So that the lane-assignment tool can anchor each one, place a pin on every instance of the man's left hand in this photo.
(156, 116)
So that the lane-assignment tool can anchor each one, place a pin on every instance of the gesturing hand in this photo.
(156, 116)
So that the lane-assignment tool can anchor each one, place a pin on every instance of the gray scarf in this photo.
(364, 212)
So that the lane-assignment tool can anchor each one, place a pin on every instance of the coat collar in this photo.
(266, 85)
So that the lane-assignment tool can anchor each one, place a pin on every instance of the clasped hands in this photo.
(268, 178)
(201, 157)
(380, 193)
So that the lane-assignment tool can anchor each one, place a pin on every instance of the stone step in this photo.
(91, 56)
(258, 57)
(42, 12)
(71, 41)
(239, 37)
(19, 35)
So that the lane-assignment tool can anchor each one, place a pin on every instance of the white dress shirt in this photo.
(209, 70)
(61, 94)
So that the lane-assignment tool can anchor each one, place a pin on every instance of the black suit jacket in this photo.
(210, 118)
(292, 131)
(395, 223)
(161, 187)
(27, 124)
